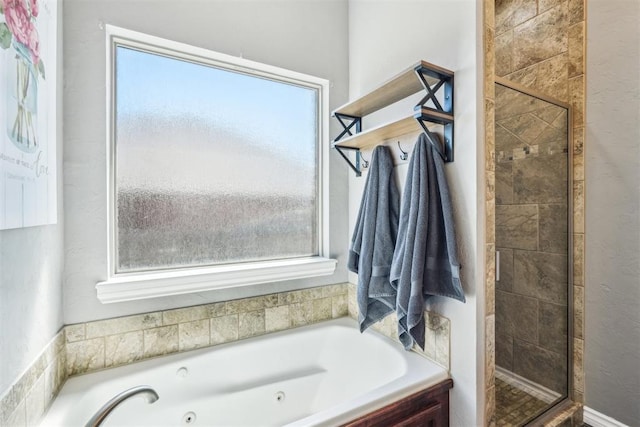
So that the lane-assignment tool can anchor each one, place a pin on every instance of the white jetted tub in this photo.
(325, 374)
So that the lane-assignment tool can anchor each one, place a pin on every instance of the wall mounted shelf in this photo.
(420, 76)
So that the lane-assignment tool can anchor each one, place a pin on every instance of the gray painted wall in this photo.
(31, 261)
(612, 334)
(304, 36)
(385, 37)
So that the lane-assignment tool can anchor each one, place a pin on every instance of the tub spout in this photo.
(146, 391)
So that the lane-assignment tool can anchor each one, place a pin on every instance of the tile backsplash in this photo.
(91, 346)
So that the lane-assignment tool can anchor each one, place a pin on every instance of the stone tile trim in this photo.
(87, 347)
(437, 332)
(24, 403)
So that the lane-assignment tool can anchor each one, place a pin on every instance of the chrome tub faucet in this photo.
(146, 391)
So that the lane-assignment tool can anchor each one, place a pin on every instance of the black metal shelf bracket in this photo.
(440, 113)
(348, 123)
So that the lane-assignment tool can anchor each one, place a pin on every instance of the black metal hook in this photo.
(404, 155)
(365, 163)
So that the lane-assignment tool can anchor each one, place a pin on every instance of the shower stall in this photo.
(533, 253)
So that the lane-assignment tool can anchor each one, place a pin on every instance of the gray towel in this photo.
(374, 239)
(425, 261)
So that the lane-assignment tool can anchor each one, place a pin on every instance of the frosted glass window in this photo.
(212, 166)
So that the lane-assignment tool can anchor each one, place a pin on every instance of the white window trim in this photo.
(121, 287)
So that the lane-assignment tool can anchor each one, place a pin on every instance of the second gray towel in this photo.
(374, 239)
(425, 262)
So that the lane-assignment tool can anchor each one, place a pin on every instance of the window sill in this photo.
(142, 286)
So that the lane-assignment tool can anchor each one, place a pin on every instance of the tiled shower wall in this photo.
(539, 44)
(531, 193)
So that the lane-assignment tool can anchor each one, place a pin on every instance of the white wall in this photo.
(304, 36)
(385, 37)
(31, 261)
(612, 329)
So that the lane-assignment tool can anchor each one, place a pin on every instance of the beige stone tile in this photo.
(124, 348)
(35, 403)
(183, 315)
(578, 167)
(301, 313)
(490, 406)
(490, 350)
(194, 334)
(578, 259)
(224, 329)
(216, 309)
(28, 379)
(578, 206)
(442, 344)
(578, 367)
(160, 341)
(54, 376)
(544, 5)
(489, 10)
(19, 416)
(339, 306)
(251, 324)
(489, 135)
(120, 325)
(300, 296)
(490, 185)
(75, 333)
(576, 11)
(85, 356)
(576, 49)
(430, 343)
(510, 13)
(333, 290)
(252, 304)
(576, 93)
(548, 77)
(353, 306)
(55, 346)
(504, 54)
(490, 279)
(541, 38)
(578, 312)
(489, 63)
(277, 318)
(517, 226)
(322, 309)
(490, 230)
(578, 140)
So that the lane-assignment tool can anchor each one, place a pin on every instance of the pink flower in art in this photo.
(33, 5)
(18, 20)
(34, 45)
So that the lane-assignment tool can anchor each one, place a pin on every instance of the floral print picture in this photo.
(27, 113)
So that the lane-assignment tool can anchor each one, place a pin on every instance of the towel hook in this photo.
(365, 163)
(404, 155)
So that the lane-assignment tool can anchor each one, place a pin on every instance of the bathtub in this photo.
(325, 374)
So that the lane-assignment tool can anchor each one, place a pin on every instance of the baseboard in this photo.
(528, 386)
(596, 419)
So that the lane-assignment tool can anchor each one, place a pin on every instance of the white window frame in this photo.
(142, 285)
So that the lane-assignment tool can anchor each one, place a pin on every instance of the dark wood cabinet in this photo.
(427, 408)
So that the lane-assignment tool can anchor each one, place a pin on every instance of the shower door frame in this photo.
(552, 411)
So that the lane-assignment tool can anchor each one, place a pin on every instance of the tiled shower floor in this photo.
(514, 406)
